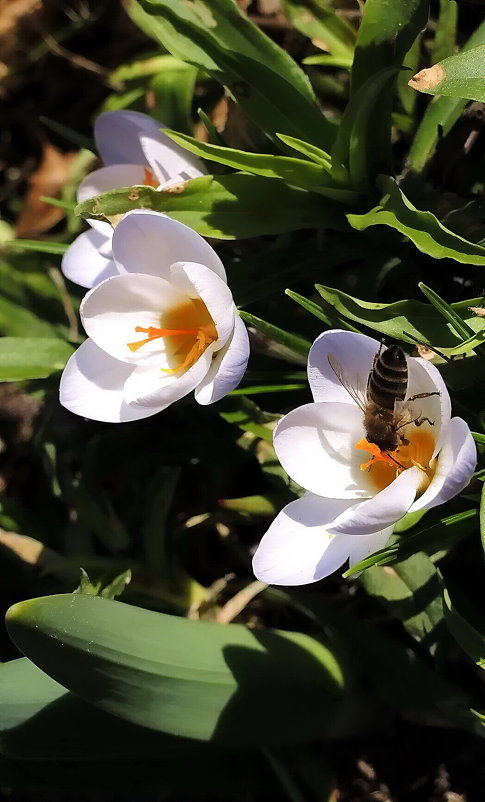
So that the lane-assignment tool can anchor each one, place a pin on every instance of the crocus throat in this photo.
(189, 330)
(150, 180)
(383, 467)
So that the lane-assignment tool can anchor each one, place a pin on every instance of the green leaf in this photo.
(296, 172)
(31, 357)
(453, 318)
(292, 342)
(471, 639)
(461, 76)
(481, 441)
(215, 36)
(317, 20)
(246, 415)
(410, 317)
(58, 740)
(172, 90)
(317, 310)
(191, 678)
(225, 207)
(39, 246)
(310, 151)
(387, 31)
(421, 227)
(411, 591)
(446, 532)
(345, 62)
(440, 116)
(354, 153)
(445, 34)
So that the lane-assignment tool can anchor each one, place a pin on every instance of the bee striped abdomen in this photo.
(388, 379)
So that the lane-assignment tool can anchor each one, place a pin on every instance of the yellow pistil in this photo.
(383, 467)
(188, 329)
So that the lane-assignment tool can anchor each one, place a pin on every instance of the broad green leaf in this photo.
(195, 679)
(265, 506)
(387, 31)
(225, 207)
(31, 357)
(292, 342)
(354, 153)
(268, 85)
(296, 172)
(39, 246)
(445, 33)
(440, 116)
(421, 227)
(58, 740)
(327, 316)
(461, 76)
(310, 151)
(445, 533)
(411, 592)
(318, 20)
(471, 639)
(29, 300)
(329, 61)
(402, 318)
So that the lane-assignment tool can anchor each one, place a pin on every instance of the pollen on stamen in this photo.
(383, 468)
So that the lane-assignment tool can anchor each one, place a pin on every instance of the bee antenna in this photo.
(395, 460)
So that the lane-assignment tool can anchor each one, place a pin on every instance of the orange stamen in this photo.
(150, 179)
(154, 333)
(377, 454)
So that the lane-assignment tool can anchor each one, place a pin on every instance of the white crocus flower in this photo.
(135, 152)
(164, 325)
(353, 499)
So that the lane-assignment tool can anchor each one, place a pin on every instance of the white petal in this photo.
(111, 311)
(385, 509)
(129, 136)
(118, 135)
(426, 378)
(197, 280)
(362, 546)
(354, 352)
(315, 444)
(297, 547)
(112, 177)
(227, 368)
(150, 388)
(456, 463)
(150, 242)
(170, 163)
(92, 386)
(84, 261)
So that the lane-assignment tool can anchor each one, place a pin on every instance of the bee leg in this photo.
(419, 421)
(404, 441)
(422, 395)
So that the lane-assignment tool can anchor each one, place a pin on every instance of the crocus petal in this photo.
(111, 312)
(92, 386)
(112, 177)
(84, 262)
(354, 352)
(297, 547)
(385, 509)
(199, 281)
(361, 546)
(227, 368)
(150, 242)
(315, 445)
(150, 388)
(426, 378)
(456, 463)
(129, 136)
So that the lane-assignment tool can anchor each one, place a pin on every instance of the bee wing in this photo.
(352, 385)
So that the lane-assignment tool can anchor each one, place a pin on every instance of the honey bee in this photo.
(383, 401)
